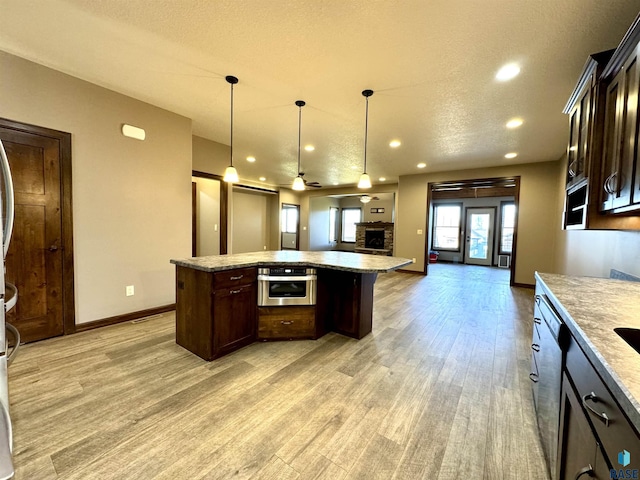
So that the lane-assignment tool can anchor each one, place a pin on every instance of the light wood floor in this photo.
(440, 390)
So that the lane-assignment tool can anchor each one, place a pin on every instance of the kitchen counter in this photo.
(346, 261)
(591, 309)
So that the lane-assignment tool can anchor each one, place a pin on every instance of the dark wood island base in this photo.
(217, 305)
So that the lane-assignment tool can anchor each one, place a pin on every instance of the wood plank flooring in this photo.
(439, 390)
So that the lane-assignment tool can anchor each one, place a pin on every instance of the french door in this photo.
(479, 231)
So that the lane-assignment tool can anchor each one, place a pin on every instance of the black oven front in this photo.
(281, 286)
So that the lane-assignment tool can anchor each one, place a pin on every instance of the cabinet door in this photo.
(611, 154)
(580, 121)
(622, 143)
(580, 455)
(234, 313)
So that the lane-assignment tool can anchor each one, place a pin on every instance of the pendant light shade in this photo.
(365, 181)
(230, 173)
(298, 182)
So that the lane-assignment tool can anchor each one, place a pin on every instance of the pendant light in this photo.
(298, 182)
(230, 173)
(365, 181)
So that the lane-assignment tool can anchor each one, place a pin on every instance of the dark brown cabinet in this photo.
(345, 302)
(286, 323)
(620, 156)
(581, 456)
(593, 428)
(603, 174)
(215, 312)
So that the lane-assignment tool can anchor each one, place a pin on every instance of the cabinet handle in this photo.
(235, 291)
(535, 347)
(588, 470)
(607, 185)
(533, 377)
(286, 322)
(537, 321)
(538, 299)
(572, 171)
(236, 278)
(594, 398)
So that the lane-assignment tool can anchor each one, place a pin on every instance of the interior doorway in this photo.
(492, 203)
(290, 228)
(208, 214)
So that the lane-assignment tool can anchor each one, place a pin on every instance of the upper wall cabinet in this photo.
(603, 170)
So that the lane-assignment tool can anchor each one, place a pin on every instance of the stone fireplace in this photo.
(375, 238)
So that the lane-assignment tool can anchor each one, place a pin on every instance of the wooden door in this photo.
(34, 262)
(234, 312)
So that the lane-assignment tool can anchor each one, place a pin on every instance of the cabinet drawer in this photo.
(612, 427)
(232, 278)
(286, 322)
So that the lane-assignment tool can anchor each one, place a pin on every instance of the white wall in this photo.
(131, 199)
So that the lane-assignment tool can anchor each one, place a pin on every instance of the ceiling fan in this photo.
(306, 183)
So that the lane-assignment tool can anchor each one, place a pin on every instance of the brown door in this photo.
(34, 260)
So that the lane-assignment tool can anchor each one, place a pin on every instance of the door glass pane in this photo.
(479, 236)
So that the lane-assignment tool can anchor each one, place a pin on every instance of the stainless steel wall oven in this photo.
(281, 286)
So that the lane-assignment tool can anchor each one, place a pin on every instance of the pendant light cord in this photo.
(366, 131)
(299, 134)
(232, 124)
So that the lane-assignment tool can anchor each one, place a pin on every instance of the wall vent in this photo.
(504, 261)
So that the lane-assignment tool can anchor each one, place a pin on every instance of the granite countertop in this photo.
(591, 309)
(347, 261)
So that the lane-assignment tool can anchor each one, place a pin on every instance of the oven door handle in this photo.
(275, 278)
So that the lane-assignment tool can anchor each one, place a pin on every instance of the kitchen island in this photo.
(216, 299)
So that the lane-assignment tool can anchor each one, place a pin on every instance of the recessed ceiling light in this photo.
(382, 179)
(421, 165)
(508, 72)
(395, 143)
(514, 123)
(511, 155)
(251, 159)
(354, 167)
(309, 148)
(336, 183)
(263, 179)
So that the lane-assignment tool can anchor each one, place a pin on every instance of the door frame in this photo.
(297, 207)
(66, 213)
(491, 251)
(489, 187)
(224, 209)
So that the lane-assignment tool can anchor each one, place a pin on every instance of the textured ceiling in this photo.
(432, 65)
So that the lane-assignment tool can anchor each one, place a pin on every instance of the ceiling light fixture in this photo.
(508, 72)
(514, 123)
(421, 165)
(511, 155)
(309, 148)
(365, 181)
(395, 143)
(230, 173)
(251, 159)
(298, 182)
(382, 179)
(365, 198)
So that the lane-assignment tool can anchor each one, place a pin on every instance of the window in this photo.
(333, 224)
(446, 227)
(350, 216)
(289, 218)
(507, 225)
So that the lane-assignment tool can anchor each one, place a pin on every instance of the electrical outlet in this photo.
(419, 231)
(413, 259)
(215, 227)
(129, 291)
(265, 247)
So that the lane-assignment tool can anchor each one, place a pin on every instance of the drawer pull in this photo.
(235, 291)
(236, 278)
(594, 398)
(534, 377)
(287, 322)
(538, 299)
(535, 347)
(588, 470)
(537, 321)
